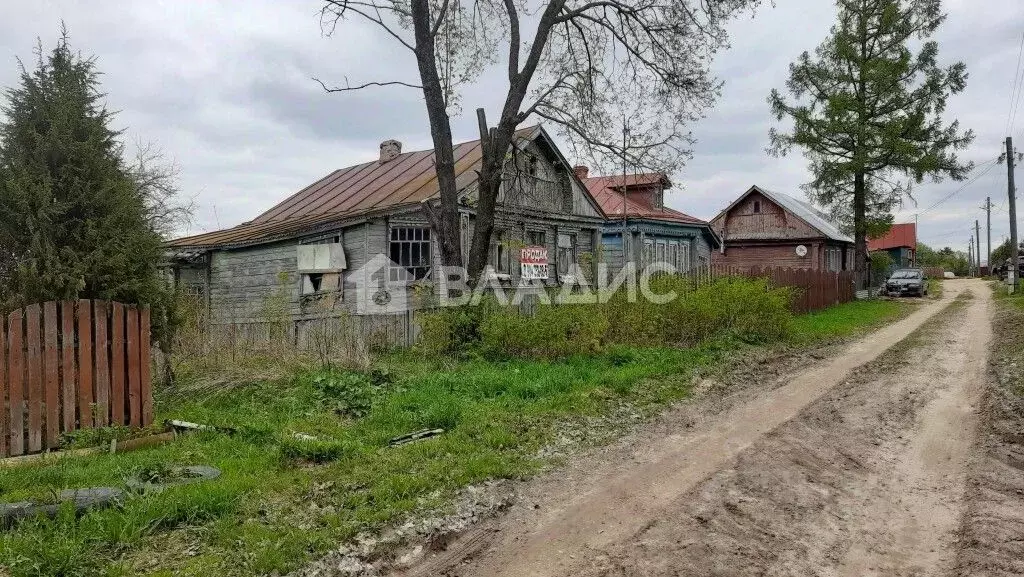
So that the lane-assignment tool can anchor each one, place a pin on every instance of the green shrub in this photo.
(553, 331)
(349, 394)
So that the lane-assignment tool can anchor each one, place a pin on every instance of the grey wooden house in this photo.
(308, 248)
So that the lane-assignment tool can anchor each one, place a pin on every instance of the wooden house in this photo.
(766, 228)
(901, 244)
(642, 230)
(306, 250)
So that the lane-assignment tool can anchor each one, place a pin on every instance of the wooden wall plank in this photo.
(117, 366)
(134, 376)
(69, 380)
(145, 371)
(15, 376)
(102, 353)
(34, 372)
(4, 432)
(85, 395)
(51, 374)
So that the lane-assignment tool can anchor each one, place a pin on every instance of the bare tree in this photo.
(589, 67)
(156, 181)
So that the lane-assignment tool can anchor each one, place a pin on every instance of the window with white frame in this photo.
(410, 252)
(684, 256)
(673, 254)
(648, 255)
(662, 251)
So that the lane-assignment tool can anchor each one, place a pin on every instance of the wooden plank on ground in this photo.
(117, 365)
(85, 395)
(15, 376)
(51, 374)
(134, 377)
(4, 432)
(34, 372)
(68, 378)
(101, 353)
(145, 371)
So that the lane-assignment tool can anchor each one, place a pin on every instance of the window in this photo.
(531, 165)
(320, 264)
(566, 253)
(684, 256)
(536, 238)
(648, 255)
(757, 207)
(662, 250)
(673, 254)
(410, 253)
(500, 254)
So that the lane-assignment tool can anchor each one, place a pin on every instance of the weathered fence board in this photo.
(51, 371)
(66, 366)
(134, 374)
(16, 381)
(117, 363)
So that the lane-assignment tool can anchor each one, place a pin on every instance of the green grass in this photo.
(282, 501)
(846, 320)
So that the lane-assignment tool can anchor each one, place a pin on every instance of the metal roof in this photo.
(608, 192)
(803, 210)
(900, 235)
(363, 189)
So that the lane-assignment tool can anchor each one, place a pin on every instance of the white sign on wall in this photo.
(533, 263)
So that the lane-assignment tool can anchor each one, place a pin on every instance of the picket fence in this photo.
(72, 365)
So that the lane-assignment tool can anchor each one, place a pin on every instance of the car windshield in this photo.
(906, 274)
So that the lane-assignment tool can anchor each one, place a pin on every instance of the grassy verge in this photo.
(281, 502)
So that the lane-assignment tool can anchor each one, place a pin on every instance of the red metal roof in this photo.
(407, 179)
(608, 192)
(899, 235)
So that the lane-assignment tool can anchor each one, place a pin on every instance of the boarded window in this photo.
(410, 253)
(500, 259)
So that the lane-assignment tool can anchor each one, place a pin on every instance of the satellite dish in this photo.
(801, 250)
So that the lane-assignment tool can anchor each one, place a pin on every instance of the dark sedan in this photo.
(908, 281)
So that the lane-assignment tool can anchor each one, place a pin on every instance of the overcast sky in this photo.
(225, 89)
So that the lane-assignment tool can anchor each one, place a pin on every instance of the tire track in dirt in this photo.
(614, 511)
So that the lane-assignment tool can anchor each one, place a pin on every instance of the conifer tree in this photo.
(75, 221)
(867, 111)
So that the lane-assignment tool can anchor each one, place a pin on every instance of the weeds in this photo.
(282, 500)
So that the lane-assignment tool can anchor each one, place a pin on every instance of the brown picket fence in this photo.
(815, 290)
(72, 365)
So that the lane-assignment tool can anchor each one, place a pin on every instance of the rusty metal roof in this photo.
(608, 192)
(367, 188)
(900, 235)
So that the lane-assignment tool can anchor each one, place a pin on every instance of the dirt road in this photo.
(855, 466)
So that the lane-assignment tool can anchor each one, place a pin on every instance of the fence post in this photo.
(101, 346)
(35, 378)
(145, 367)
(117, 368)
(3, 388)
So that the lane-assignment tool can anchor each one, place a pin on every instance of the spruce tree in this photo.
(867, 111)
(73, 221)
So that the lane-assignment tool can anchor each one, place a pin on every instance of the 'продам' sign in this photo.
(533, 263)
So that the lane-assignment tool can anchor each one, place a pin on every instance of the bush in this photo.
(349, 394)
(553, 331)
(747, 309)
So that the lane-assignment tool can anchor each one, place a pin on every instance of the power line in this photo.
(1015, 90)
(992, 163)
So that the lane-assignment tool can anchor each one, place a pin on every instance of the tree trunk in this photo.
(860, 244)
(446, 226)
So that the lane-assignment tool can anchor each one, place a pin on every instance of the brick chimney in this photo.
(581, 171)
(389, 149)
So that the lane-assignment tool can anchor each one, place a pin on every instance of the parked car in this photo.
(907, 281)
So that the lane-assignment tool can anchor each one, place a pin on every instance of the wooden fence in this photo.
(72, 365)
(815, 289)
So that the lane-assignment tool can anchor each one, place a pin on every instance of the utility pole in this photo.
(970, 256)
(988, 227)
(1011, 277)
(977, 235)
